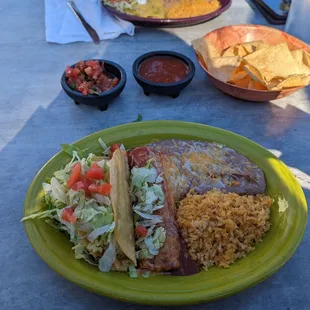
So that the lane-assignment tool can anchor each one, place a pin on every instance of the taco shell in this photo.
(121, 203)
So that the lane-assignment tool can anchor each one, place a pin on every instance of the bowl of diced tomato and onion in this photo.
(94, 82)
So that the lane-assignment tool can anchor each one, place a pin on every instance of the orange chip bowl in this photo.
(225, 37)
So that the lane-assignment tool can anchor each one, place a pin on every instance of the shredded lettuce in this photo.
(148, 223)
(100, 231)
(97, 246)
(48, 213)
(102, 219)
(78, 250)
(47, 188)
(94, 158)
(149, 216)
(108, 258)
(71, 150)
(106, 149)
(158, 192)
(141, 175)
(102, 199)
(155, 242)
(54, 223)
(80, 253)
(143, 254)
(150, 245)
(58, 191)
(86, 215)
(61, 175)
(132, 272)
(148, 197)
(159, 179)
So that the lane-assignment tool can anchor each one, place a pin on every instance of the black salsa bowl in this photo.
(168, 89)
(103, 99)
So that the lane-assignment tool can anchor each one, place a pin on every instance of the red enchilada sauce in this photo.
(163, 69)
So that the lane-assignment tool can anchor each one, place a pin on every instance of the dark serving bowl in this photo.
(168, 89)
(175, 22)
(102, 100)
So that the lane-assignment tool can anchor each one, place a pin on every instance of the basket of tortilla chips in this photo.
(254, 62)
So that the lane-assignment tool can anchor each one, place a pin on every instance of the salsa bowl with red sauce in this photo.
(163, 73)
(94, 82)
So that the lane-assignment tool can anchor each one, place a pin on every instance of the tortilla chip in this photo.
(254, 73)
(223, 67)
(274, 61)
(256, 85)
(228, 52)
(238, 74)
(205, 50)
(254, 46)
(302, 58)
(291, 81)
(240, 50)
(121, 203)
(244, 82)
(244, 49)
(298, 56)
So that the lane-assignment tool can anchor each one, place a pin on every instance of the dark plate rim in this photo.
(225, 5)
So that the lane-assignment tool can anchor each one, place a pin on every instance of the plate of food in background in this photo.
(165, 213)
(173, 13)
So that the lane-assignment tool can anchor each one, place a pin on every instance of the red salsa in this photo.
(163, 69)
(90, 78)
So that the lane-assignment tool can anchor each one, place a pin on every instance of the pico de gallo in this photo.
(90, 78)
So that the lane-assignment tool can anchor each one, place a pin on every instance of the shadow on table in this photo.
(64, 122)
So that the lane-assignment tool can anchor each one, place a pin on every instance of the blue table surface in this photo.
(36, 116)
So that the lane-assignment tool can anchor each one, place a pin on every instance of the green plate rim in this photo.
(123, 293)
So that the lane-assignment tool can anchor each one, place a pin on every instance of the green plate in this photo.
(288, 217)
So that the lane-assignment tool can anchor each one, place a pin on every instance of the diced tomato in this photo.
(81, 65)
(94, 64)
(78, 185)
(113, 148)
(141, 231)
(75, 175)
(90, 78)
(68, 216)
(95, 174)
(102, 78)
(114, 82)
(94, 165)
(88, 70)
(83, 184)
(105, 189)
(84, 88)
(93, 188)
(68, 71)
(75, 72)
(87, 183)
